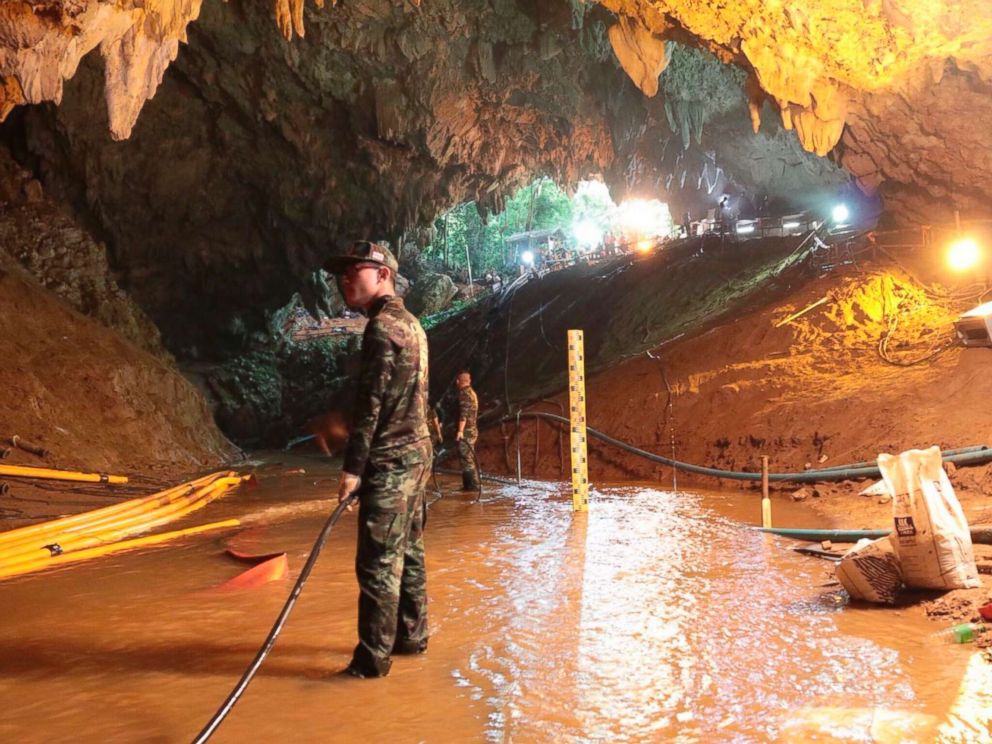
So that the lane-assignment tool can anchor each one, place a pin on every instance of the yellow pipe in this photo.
(94, 516)
(170, 513)
(29, 547)
(22, 471)
(82, 555)
(114, 528)
(153, 508)
(147, 512)
(76, 521)
(106, 510)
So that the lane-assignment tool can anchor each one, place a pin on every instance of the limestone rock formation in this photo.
(63, 257)
(811, 57)
(43, 41)
(430, 294)
(259, 156)
(642, 55)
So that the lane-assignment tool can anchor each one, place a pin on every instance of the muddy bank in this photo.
(813, 391)
(515, 346)
(93, 399)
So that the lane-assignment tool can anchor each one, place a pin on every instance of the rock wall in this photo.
(258, 156)
(904, 77)
(877, 66)
(64, 258)
(43, 41)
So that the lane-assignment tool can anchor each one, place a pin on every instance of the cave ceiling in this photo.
(224, 149)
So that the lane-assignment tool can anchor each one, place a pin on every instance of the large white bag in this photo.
(931, 539)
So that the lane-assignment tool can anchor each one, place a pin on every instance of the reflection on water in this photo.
(654, 617)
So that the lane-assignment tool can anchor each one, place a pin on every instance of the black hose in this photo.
(976, 457)
(270, 640)
(437, 488)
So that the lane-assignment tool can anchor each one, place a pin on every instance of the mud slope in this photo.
(517, 352)
(92, 398)
(814, 390)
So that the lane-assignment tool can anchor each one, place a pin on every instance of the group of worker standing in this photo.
(388, 459)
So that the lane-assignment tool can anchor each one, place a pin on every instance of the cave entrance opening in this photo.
(543, 227)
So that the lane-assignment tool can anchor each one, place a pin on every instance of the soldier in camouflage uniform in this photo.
(387, 462)
(468, 432)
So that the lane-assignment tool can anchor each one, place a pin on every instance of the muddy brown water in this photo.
(658, 616)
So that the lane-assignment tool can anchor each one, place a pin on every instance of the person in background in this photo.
(329, 430)
(468, 432)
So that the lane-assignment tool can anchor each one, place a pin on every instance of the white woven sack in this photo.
(870, 571)
(931, 539)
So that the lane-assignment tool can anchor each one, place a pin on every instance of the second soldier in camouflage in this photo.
(468, 431)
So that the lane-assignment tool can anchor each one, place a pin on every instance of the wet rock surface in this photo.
(63, 257)
(430, 294)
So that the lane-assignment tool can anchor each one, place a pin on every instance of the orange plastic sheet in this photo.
(265, 569)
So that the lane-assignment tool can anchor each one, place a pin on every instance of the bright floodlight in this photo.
(587, 233)
(527, 257)
(841, 213)
(964, 254)
(644, 218)
(645, 245)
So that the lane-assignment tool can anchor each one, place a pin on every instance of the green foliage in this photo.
(538, 206)
(430, 321)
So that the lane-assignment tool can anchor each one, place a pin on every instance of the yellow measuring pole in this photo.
(577, 421)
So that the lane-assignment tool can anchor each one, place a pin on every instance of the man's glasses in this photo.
(352, 271)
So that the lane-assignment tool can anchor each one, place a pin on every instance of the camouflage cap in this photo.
(362, 251)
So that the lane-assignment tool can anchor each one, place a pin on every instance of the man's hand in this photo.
(459, 436)
(347, 486)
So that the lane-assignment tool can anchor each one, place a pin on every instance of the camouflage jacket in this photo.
(389, 420)
(468, 409)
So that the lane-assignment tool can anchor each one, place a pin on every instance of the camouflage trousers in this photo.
(466, 447)
(392, 605)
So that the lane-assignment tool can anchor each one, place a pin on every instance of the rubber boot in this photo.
(364, 666)
(410, 648)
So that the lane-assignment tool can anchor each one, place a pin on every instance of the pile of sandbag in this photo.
(930, 547)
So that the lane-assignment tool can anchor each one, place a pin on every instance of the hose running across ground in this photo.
(971, 456)
(270, 640)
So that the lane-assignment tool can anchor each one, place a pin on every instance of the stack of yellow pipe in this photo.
(101, 531)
